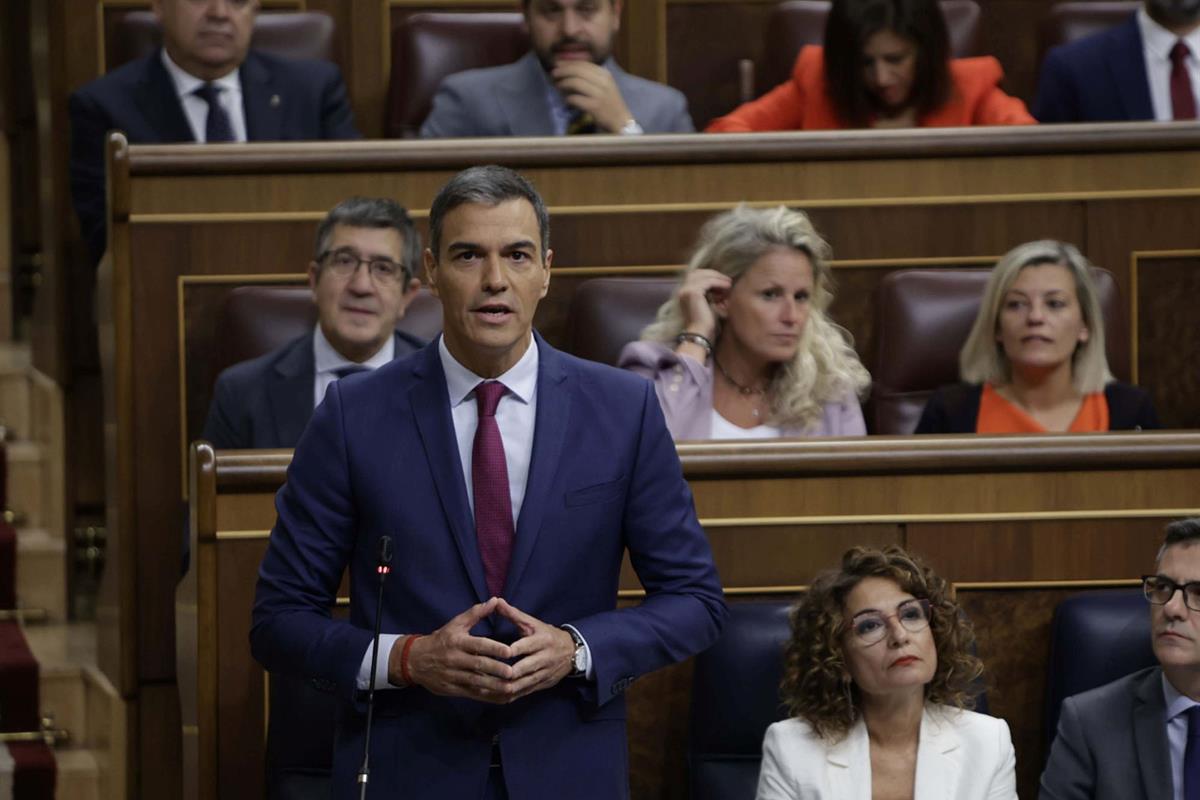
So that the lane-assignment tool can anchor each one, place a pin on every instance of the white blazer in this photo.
(961, 756)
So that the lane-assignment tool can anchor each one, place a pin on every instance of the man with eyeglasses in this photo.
(362, 281)
(1139, 737)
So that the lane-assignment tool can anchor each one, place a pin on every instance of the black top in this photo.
(955, 409)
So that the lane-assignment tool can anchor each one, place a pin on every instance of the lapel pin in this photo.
(275, 101)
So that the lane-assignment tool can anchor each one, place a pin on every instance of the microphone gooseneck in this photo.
(383, 568)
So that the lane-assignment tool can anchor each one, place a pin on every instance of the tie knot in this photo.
(1179, 52)
(1193, 718)
(487, 395)
(349, 369)
(209, 92)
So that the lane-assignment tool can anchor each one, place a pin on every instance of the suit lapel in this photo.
(160, 104)
(937, 766)
(291, 390)
(1127, 66)
(1150, 735)
(844, 765)
(431, 414)
(261, 101)
(523, 101)
(549, 434)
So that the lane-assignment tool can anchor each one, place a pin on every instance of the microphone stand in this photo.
(385, 560)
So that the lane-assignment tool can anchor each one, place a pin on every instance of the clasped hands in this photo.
(451, 661)
(591, 88)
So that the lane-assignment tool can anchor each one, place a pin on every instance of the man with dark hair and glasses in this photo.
(1138, 738)
(362, 277)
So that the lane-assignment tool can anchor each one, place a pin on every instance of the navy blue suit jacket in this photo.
(380, 457)
(266, 402)
(283, 99)
(1099, 78)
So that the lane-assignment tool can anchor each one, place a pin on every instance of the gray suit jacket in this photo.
(511, 101)
(1112, 743)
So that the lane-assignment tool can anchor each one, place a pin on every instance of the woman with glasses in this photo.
(879, 676)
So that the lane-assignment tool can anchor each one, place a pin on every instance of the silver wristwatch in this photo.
(579, 657)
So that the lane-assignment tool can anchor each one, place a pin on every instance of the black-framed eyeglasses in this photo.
(345, 263)
(1159, 590)
(869, 627)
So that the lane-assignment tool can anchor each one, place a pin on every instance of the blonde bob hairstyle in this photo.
(982, 358)
(817, 686)
(825, 368)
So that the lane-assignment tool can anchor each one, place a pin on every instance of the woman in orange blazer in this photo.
(885, 64)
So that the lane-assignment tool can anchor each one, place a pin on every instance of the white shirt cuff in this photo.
(386, 642)
(589, 671)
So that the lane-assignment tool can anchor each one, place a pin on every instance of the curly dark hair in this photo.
(816, 681)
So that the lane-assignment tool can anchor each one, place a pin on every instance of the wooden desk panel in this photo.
(776, 513)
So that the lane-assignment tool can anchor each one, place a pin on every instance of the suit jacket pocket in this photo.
(596, 493)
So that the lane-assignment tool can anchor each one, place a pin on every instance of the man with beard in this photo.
(1147, 68)
(1133, 739)
(567, 84)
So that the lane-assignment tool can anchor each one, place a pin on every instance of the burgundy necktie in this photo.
(489, 477)
(1183, 101)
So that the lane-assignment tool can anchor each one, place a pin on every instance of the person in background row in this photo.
(1146, 68)
(1034, 361)
(362, 278)
(567, 84)
(744, 348)
(204, 84)
(878, 675)
(885, 64)
(1133, 739)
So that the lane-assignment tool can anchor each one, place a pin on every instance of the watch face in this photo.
(577, 660)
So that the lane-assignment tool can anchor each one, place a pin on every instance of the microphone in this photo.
(384, 567)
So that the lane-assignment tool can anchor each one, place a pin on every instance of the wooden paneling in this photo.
(1167, 337)
(776, 514)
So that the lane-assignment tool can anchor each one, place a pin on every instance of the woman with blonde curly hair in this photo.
(744, 348)
(879, 676)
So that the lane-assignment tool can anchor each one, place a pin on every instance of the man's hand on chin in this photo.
(450, 661)
(544, 653)
(591, 88)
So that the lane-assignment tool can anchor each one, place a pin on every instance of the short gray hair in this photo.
(372, 212)
(489, 185)
(982, 358)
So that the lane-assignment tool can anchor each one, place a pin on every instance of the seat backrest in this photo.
(1069, 21)
(922, 318)
(428, 47)
(608, 313)
(259, 319)
(735, 696)
(1095, 638)
(292, 34)
(796, 23)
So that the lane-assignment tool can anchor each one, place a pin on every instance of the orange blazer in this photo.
(803, 104)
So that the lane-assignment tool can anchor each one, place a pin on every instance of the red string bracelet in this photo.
(408, 643)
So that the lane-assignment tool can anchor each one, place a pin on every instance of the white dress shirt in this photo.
(196, 109)
(1157, 42)
(327, 361)
(516, 416)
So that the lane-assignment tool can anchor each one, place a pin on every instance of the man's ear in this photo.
(430, 271)
(314, 274)
(546, 269)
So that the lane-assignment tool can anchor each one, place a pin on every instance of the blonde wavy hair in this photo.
(825, 369)
(817, 686)
(982, 358)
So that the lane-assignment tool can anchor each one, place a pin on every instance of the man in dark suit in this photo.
(1132, 739)
(362, 280)
(511, 479)
(1146, 68)
(567, 83)
(203, 85)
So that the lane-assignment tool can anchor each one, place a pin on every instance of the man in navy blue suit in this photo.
(362, 277)
(169, 96)
(1146, 68)
(511, 479)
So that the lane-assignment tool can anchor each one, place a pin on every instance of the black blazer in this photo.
(266, 402)
(283, 100)
(954, 409)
